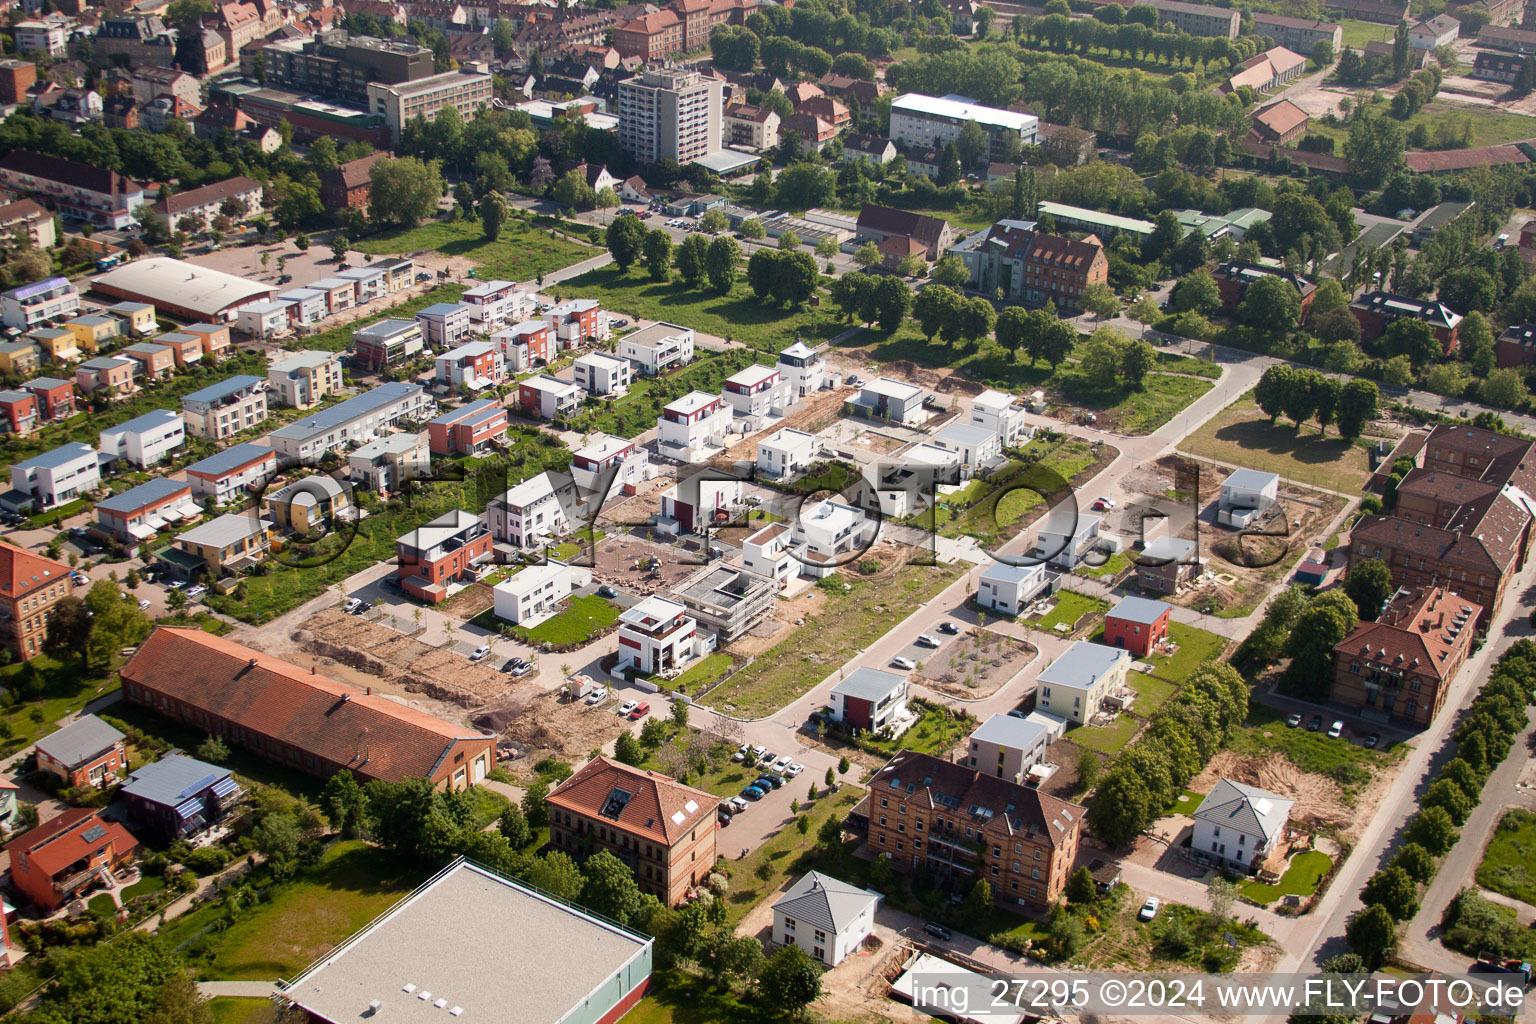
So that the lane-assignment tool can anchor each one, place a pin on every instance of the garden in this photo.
(1509, 864)
(584, 617)
(1070, 608)
(522, 252)
(1302, 876)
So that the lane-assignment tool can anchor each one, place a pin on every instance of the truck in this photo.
(1487, 963)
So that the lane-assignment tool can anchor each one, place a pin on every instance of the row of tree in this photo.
(698, 259)
(1303, 394)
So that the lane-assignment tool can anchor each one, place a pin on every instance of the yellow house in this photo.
(58, 346)
(310, 504)
(92, 332)
(226, 544)
(18, 359)
(137, 317)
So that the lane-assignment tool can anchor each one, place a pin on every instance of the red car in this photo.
(641, 710)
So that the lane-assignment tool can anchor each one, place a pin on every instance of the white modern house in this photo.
(548, 397)
(827, 918)
(1237, 826)
(766, 553)
(1009, 589)
(802, 369)
(475, 365)
(598, 373)
(385, 464)
(528, 514)
(787, 453)
(264, 319)
(526, 345)
(890, 401)
(1075, 684)
(755, 393)
(694, 501)
(658, 348)
(829, 533)
(693, 428)
(657, 636)
(1249, 489)
(492, 303)
(979, 449)
(1065, 536)
(535, 593)
(1003, 414)
(145, 440)
(57, 476)
(623, 463)
(869, 699)
(1007, 746)
(353, 422)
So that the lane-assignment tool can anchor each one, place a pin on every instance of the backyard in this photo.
(339, 339)
(1242, 435)
(994, 508)
(1509, 863)
(1106, 739)
(637, 411)
(522, 252)
(1195, 647)
(1302, 876)
(1070, 608)
(585, 617)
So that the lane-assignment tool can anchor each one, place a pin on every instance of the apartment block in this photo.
(466, 90)
(226, 408)
(471, 429)
(239, 469)
(353, 422)
(670, 114)
(303, 379)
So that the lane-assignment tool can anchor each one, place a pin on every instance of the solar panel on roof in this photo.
(93, 833)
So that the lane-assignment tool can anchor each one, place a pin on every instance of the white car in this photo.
(924, 640)
(1149, 909)
(794, 769)
(175, 585)
(143, 605)
(1336, 729)
(906, 663)
(352, 605)
(782, 765)
(758, 751)
(197, 591)
(479, 652)
(627, 707)
(597, 697)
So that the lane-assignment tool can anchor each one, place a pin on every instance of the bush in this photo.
(1475, 925)
(206, 860)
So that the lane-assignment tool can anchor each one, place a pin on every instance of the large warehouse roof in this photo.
(172, 283)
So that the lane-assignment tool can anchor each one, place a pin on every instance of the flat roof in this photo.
(156, 490)
(170, 282)
(693, 401)
(226, 530)
(650, 337)
(1008, 731)
(962, 108)
(1062, 211)
(1139, 609)
(53, 458)
(231, 459)
(1250, 479)
(892, 388)
(151, 420)
(752, 375)
(223, 389)
(346, 412)
(965, 433)
(869, 683)
(432, 946)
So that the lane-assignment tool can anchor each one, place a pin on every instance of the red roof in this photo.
(21, 571)
(656, 806)
(58, 843)
(1461, 159)
(1414, 632)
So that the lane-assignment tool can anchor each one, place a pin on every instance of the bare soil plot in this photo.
(539, 724)
(622, 561)
(1320, 802)
(811, 414)
(977, 664)
(407, 663)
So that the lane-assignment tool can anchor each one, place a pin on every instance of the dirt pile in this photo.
(377, 650)
(1319, 800)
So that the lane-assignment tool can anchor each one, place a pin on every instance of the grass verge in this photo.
(1509, 864)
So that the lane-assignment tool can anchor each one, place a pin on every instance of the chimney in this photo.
(251, 664)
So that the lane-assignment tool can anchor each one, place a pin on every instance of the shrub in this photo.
(206, 860)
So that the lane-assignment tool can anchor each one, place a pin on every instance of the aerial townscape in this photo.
(579, 511)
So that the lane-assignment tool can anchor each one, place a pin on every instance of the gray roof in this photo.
(225, 530)
(965, 433)
(303, 360)
(1002, 572)
(1008, 731)
(824, 902)
(56, 457)
(869, 683)
(105, 363)
(149, 348)
(151, 420)
(79, 741)
(1250, 480)
(172, 779)
(440, 529)
(1169, 548)
(346, 412)
(44, 382)
(1082, 663)
(158, 489)
(223, 389)
(435, 941)
(231, 458)
(1139, 609)
(1250, 810)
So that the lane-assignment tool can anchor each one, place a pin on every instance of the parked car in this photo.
(596, 697)
(352, 605)
(1336, 729)
(1149, 909)
(479, 652)
(1315, 724)
(794, 769)
(175, 585)
(628, 707)
(904, 663)
(949, 628)
(143, 605)
(641, 710)
(924, 640)
(1294, 720)
(1017, 713)
(1372, 741)
(197, 591)
(81, 579)
(737, 804)
(782, 764)
(938, 931)
(766, 759)
(739, 756)
(1102, 504)
(722, 818)
(606, 591)
(753, 793)
(771, 780)
(620, 322)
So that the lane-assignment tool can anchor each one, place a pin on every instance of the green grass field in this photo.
(229, 1010)
(636, 411)
(1301, 878)
(1346, 763)
(1070, 609)
(989, 509)
(520, 253)
(1358, 33)
(1509, 864)
(706, 671)
(1196, 646)
(339, 339)
(1242, 435)
(1141, 412)
(1151, 693)
(1106, 739)
(587, 616)
(1113, 566)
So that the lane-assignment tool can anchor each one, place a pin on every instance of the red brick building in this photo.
(349, 184)
(1377, 310)
(1234, 278)
(293, 716)
(16, 77)
(471, 428)
(1280, 123)
(68, 855)
(683, 26)
(1516, 346)
(444, 551)
(30, 588)
(86, 752)
(1137, 624)
(663, 830)
(960, 824)
(1404, 662)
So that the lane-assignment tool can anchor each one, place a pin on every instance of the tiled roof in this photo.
(21, 571)
(1460, 159)
(215, 193)
(61, 841)
(653, 805)
(984, 801)
(1281, 117)
(68, 172)
(902, 222)
(1418, 631)
(375, 736)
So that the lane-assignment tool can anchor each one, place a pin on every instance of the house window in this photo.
(789, 924)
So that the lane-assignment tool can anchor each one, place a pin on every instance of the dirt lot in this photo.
(977, 664)
(620, 556)
(810, 414)
(539, 724)
(1319, 800)
(398, 660)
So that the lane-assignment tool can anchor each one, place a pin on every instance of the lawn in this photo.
(991, 509)
(521, 253)
(637, 411)
(303, 919)
(1301, 878)
(339, 339)
(1242, 435)
(1347, 763)
(780, 853)
(229, 1010)
(1106, 739)
(849, 622)
(1489, 126)
(735, 315)
(1163, 396)
(698, 678)
(936, 732)
(1196, 647)
(587, 616)
(1113, 566)
(1070, 609)
(145, 886)
(1509, 864)
(1151, 693)
(1358, 33)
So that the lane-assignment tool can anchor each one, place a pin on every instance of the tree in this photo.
(606, 198)
(1081, 888)
(493, 215)
(404, 190)
(609, 888)
(1049, 337)
(714, 221)
(177, 600)
(753, 228)
(464, 199)
(557, 873)
(1222, 895)
(723, 956)
(534, 808)
(513, 825)
(1374, 148)
(1099, 299)
(951, 271)
(1272, 305)
(1446, 795)
(977, 318)
(1358, 405)
(1504, 388)
(1469, 779)
(1196, 292)
(790, 980)
(1012, 325)
(1414, 339)
(843, 765)
(1123, 807)
(213, 750)
(1373, 935)
(934, 306)
(184, 14)
(1322, 53)
(789, 240)
(1100, 362)
(893, 300)
(626, 239)
(1088, 769)
(1369, 583)
(868, 255)
(116, 982)
(1400, 44)
(1136, 361)
(1393, 889)
(691, 259)
(978, 902)
(658, 254)
(972, 144)
(340, 243)
(1329, 618)
(345, 804)
(574, 191)
(950, 170)
(1433, 829)
(626, 749)
(720, 262)
(277, 837)
(69, 627)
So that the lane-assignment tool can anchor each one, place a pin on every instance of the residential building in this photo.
(138, 513)
(31, 586)
(757, 392)
(727, 601)
(311, 504)
(52, 300)
(264, 320)
(386, 464)
(1235, 277)
(67, 856)
(827, 918)
(215, 340)
(1377, 310)
(958, 823)
(529, 513)
(145, 440)
(1137, 624)
(892, 401)
(368, 282)
(353, 422)
(1385, 12)
(1280, 123)
(438, 936)
(1197, 19)
(133, 39)
(304, 378)
(789, 452)
(1399, 667)
(665, 831)
(830, 533)
(466, 90)
(873, 148)
(18, 358)
(475, 365)
(49, 37)
(1075, 684)
(766, 553)
(202, 205)
(337, 65)
(471, 429)
(1245, 489)
(608, 466)
(1166, 564)
(658, 348)
(27, 216)
(151, 82)
(918, 120)
(493, 303)
(695, 501)
(226, 475)
(1299, 34)
(1433, 33)
(878, 223)
(296, 717)
(869, 699)
(979, 449)
(1003, 415)
(804, 370)
(1517, 345)
(340, 293)
(670, 114)
(445, 551)
(58, 476)
(600, 374)
(58, 346)
(1010, 746)
(155, 361)
(548, 397)
(224, 409)
(656, 637)
(179, 797)
(84, 192)
(444, 325)
(1265, 71)
(1498, 67)
(527, 345)
(92, 332)
(349, 185)
(305, 305)
(16, 77)
(221, 547)
(1238, 826)
(1010, 589)
(579, 322)
(18, 411)
(536, 592)
(693, 427)
(1031, 267)
(751, 127)
(86, 752)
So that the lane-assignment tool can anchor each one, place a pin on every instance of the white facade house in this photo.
(693, 502)
(528, 514)
(1065, 536)
(1007, 746)
(1076, 683)
(1238, 826)
(979, 449)
(383, 465)
(39, 304)
(830, 533)
(145, 440)
(492, 303)
(827, 918)
(226, 408)
(658, 348)
(1009, 589)
(58, 476)
(238, 468)
(766, 553)
(869, 699)
(787, 453)
(802, 369)
(623, 463)
(892, 401)
(265, 319)
(694, 427)
(755, 393)
(1003, 414)
(1250, 489)
(548, 397)
(305, 305)
(536, 592)
(579, 322)
(907, 481)
(353, 422)
(656, 636)
(598, 373)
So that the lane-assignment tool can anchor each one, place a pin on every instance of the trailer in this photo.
(1487, 963)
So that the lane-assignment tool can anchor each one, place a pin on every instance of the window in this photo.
(789, 924)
